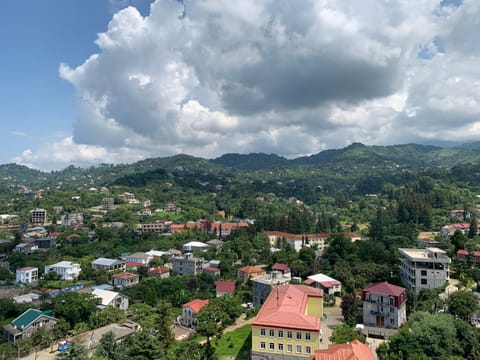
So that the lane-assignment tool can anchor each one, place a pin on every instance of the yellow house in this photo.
(288, 324)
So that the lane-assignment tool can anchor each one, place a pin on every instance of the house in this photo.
(26, 324)
(247, 272)
(160, 272)
(427, 268)
(66, 269)
(224, 229)
(27, 275)
(459, 214)
(354, 350)
(288, 324)
(29, 298)
(215, 243)
(465, 255)
(125, 279)
(384, 305)
(283, 268)
(187, 265)
(38, 216)
(158, 227)
(298, 241)
(72, 219)
(156, 254)
(263, 285)
(210, 270)
(189, 310)
(328, 284)
(108, 265)
(111, 298)
(224, 287)
(139, 257)
(26, 248)
(46, 242)
(193, 246)
(108, 204)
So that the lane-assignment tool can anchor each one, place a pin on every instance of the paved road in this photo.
(333, 317)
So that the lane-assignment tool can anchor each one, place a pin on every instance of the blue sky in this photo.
(91, 81)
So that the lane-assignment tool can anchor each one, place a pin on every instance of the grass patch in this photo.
(235, 345)
(62, 284)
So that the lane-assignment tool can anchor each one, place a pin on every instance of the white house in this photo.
(139, 257)
(329, 285)
(66, 269)
(27, 275)
(111, 298)
(195, 246)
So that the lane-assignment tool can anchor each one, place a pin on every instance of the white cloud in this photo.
(290, 77)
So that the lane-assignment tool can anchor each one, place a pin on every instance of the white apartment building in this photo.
(72, 219)
(27, 275)
(66, 269)
(424, 268)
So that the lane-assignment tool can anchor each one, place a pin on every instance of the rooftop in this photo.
(354, 350)
(251, 269)
(385, 288)
(196, 305)
(225, 286)
(64, 264)
(106, 296)
(29, 316)
(324, 280)
(106, 261)
(429, 253)
(125, 276)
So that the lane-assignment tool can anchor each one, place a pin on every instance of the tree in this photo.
(109, 349)
(462, 304)
(60, 329)
(349, 307)
(74, 307)
(75, 351)
(473, 229)
(42, 338)
(110, 314)
(144, 346)
(344, 333)
(164, 324)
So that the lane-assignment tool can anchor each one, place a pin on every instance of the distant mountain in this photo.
(251, 162)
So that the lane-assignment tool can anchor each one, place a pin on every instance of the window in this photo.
(392, 310)
(289, 348)
(289, 334)
(262, 332)
(391, 301)
(271, 346)
(280, 347)
(307, 336)
(424, 272)
(392, 321)
(262, 345)
(271, 333)
(299, 336)
(308, 349)
(423, 281)
(280, 333)
(299, 349)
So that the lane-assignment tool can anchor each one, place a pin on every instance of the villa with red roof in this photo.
(247, 272)
(354, 350)
(189, 310)
(224, 287)
(464, 255)
(328, 284)
(288, 324)
(384, 305)
(283, 268)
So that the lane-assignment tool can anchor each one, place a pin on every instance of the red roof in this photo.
(309, 281)
(355, 350)
(280, 267)
(251, 269)
(134, 264)
(211, 269)
(225, 286)
(196, 305)
(27, 268)
(385, 288)
(286, 307)
(159, 271)
(297, 237)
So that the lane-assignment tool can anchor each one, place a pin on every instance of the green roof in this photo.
(28, 317)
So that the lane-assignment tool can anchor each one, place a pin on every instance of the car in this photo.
(64, 346)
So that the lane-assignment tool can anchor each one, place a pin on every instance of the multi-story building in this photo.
(38, 216)
(424, 268)
(263, 285)
(66, 269)
(108, 204)
(109, 265)
(189, 311)
(249, 272)
(187, 264)
(384, 305)
(288, 324)
(353, 350)
(72, 219)
(139, 257)
(27, 275)
(28, 323)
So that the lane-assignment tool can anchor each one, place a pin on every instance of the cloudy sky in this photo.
(91, 81)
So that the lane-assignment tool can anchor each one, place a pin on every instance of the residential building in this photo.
(66, 269)
(247, 272)
(158, 227)
(465, 255)
(111, 298)
(263, 285)
(108, 265)
(108, 204)
(222, 229)
(210, 270)
(215, 243)
(193, 246)
(329, 285)
(224, 287)
(26, 247)
(72, 219)
(288, 324)
(187, 265)
(38, 216)
(125, 279)
(27, 275)
(29, 298)
(46, 242)
(283, 268)
(139, 257)
(384, 305)
(427, 268)
(353, 350)
(26, 324)
(160, 272)
(298, 241)
(189, 311)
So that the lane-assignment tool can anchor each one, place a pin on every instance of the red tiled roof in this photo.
(225, 286)
(133, 264)
(125, 276)
(27, 268)
(280, 267)
(159, 271)
(211, 269)
(196, 305)
(385, 288)
(309, 281)
(285, 307)
(297, 237)
(251, 269)
(354, 350)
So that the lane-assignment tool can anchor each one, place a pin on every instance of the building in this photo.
(72, 219)
(263, 285)
(193, 246)
(283, 268)
(329, 285)
(288, 324)
(108, 265)
(26, 247)
(384, 305)
(160, 272)
(465, 255)
(224, 287)
(247, 272)
(427, 268)
(354, 350)
(187, 265)
(125, 279)
(158, 227)
(26, 324)
(66, 269)
(38, 217)
(189, 311)
(108, 204)
(46, 242)
(298, 241)
(212, 271)
(111, 298)
(27, 275)
(139, 257)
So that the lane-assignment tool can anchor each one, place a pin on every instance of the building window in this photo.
(392, 321)
(424, 273)
(423, 281)
(299, 349)
(392, 310)
(280, 333)
(280, 347)
(307, 336)
(262, 332)
(391, 301)
(299, 336)
(289, 348)
(263, 345)
(271, 333)
(289, 334)
(308, 349)
(271, 346)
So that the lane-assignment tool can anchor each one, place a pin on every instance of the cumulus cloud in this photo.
(290, 77)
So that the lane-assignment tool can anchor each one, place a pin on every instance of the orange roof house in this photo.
(189, 310)
(248, 272)
(355, 350)
(196, 305)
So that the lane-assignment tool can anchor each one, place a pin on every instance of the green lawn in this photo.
(235, 345)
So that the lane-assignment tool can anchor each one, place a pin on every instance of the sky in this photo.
(85, 82)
